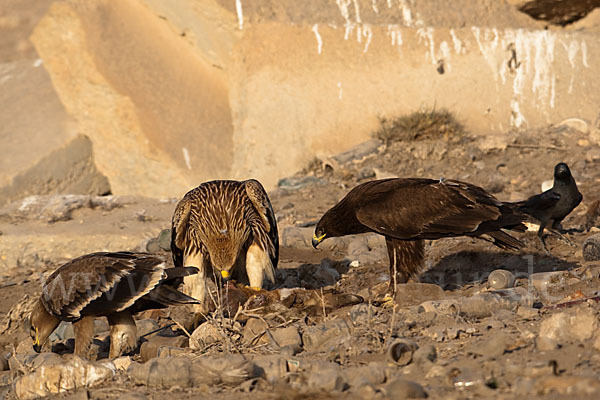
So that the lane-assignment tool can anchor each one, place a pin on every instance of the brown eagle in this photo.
(115, 285)
(406, 211)
(225, 228)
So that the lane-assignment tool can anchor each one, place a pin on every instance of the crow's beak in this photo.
(316, 240)
(225, 275)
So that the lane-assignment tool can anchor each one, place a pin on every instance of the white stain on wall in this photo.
(186, 158)
(240, 13)
(315, 29)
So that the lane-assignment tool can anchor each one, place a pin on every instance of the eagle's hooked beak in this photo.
(37, 347)
(225, 275)
(316, 240)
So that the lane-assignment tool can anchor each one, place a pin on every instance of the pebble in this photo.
(372, 374)
(288, 336)
(491, 348)
(591, 248)
(527, 312)
(501, 279)
(425, 354)
(573, 325)
(326, 336)
(254, 327)
(399, 389)
(164, 240)
(150, 348)
(204, 335)
(145, 326)
(442, 307)
(327, 377)
(272, 367)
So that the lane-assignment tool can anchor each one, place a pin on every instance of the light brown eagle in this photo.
(226, 229)
(115, 285)
(406, 211)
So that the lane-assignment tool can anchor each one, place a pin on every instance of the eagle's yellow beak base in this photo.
(225, 274)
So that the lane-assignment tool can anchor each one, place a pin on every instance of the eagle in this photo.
(227, 229)
(553, 205)
(408, 210)
(115, 285)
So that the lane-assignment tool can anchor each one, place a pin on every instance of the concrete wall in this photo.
(175, 93)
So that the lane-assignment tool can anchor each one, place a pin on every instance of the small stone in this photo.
(413, 293)
(371, 374)
(593, 155)
(205, 335)
(527, 312)
(365, 173)
(501, 279)
(547, 185)
(253, 328)
(583, 142)
(491, 348)
(272, 367)
(573, 325)
(164, 240)
(150, 348)
(327, 377)
(326, 336)
(441, 307)
(145, 326)
(122, 363)
(288, 336)
(425, 354)
(399, 389)
(591, 248)
(152, 246)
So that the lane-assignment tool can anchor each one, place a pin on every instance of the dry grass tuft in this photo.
(422, 124)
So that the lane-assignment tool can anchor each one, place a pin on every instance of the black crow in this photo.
(553, 205)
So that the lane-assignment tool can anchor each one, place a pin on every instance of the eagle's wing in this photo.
(179, 226)
(429, 209)
(101, 284)
(266, 229)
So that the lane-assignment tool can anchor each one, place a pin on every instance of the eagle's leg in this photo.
(123, 334)
(406, 261)
(258, 266)
(84, 335)
(195, 285)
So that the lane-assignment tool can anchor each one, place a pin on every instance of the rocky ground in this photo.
(317, 333)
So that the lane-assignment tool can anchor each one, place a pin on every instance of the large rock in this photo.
(573, 325)
(40, 151)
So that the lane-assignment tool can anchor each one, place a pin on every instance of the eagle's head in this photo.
(224, 248)
(42, 324)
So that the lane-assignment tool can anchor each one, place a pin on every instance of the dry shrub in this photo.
(422, 124)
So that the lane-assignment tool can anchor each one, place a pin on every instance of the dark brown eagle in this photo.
(406, 211)
(115, 285)
(228, 229)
